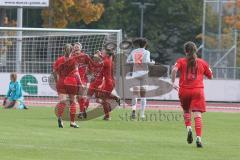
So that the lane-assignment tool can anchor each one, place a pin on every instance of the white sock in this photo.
(143, 105)
(189, 128)
(134, 104)
(198, 139)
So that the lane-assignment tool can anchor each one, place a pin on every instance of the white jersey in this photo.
(140, 57)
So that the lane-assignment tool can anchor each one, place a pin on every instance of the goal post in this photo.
(31, 53)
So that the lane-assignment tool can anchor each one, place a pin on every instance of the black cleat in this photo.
(60, 123)
(25, 107)
(74, 125)
(80, 115)
(199, 144)
(189, 137)
(133, 116)
(85, 114)
(118, 100)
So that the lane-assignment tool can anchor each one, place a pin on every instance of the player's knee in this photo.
(185, 110)
(197, 114)
(63, 102)
(62, 97)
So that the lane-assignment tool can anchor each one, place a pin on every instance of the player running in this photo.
(140, 57)
(191, 89)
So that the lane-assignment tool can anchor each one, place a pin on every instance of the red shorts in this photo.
(192, 99)
(94, 86)
(106, 88)
(72, 85)
(60, 86)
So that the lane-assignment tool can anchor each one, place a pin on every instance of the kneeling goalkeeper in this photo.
(14, 97)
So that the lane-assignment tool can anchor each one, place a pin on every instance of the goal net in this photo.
(31, 53)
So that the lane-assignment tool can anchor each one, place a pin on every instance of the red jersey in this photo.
(57, 65)
(82, 68)
(194, 79)
(82, 59)
(96, 69)
(108, 70)
(70, 66)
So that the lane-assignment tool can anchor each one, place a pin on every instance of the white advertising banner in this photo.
(38, 85)
(24, 3)
(215, 90)
(32, 84)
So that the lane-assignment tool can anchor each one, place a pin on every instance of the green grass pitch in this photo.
(33, 135)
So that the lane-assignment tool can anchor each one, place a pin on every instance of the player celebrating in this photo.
(140, 57)
(59, 77)
(108, 84)
(191, 88)
(82, 69)
(72, 81)
(73, 84)
(97, 71)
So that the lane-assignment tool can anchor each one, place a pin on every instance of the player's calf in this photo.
(198, 128)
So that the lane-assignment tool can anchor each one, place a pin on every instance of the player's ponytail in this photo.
(191, 53)
(67, 49)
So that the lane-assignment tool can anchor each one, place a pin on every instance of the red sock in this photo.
(198, 126)
(187, 119)
(81, 103)
(72, 111)
(106, 109)
(60, 107)
(86, 103)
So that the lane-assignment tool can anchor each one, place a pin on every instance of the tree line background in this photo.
(167, 25)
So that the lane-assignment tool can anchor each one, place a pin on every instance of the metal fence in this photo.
(219, 38)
